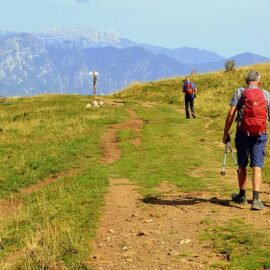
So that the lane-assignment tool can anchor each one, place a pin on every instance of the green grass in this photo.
(56, 224)
(42, 136)
(242, 245)
(214, 93)
(172, 148)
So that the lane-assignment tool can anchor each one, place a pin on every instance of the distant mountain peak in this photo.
(248, 58)
(186, 55)
(79, 33)
(80, 38)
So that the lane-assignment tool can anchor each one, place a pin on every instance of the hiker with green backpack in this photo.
(251, 104)
(190, 90)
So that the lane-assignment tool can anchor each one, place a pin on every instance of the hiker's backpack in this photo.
(189, 89)
(254, 112)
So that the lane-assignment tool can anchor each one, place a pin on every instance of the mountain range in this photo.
(59, 61)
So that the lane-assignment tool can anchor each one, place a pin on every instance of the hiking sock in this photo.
(256, 195)
(242, 193)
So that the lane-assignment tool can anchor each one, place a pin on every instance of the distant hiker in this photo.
(252, 105)
(190, 90)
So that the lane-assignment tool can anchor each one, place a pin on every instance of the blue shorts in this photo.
(252, 148)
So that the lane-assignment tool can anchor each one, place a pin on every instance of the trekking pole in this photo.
(224, 160)
(234, 159)
(228, 146)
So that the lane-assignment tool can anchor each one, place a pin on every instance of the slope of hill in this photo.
(186, 55)
(213, 89)
(242, 59)
(118, 67)
(248, 58)
(25, 67)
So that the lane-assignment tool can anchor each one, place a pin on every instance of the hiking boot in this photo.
(193, 115)
(257, 205)
(239, 199)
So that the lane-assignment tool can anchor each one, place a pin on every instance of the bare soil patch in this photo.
(9, 207)
(136, 142)
(111, 152)
(38, 186)
(150, 233)
(162, 232)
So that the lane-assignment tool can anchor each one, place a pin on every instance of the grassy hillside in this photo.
(214, 93)
(43, 137)
(214, 90)
(56, 136)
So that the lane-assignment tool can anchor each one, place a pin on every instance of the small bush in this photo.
(230, 66)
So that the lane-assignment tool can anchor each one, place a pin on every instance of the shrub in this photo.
(229, 66)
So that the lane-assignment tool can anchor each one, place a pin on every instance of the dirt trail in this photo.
(160, 232)
(111, 153)
(150, 234)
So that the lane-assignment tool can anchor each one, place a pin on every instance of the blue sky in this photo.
(227, 27)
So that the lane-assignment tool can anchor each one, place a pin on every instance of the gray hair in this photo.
(253, 76)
